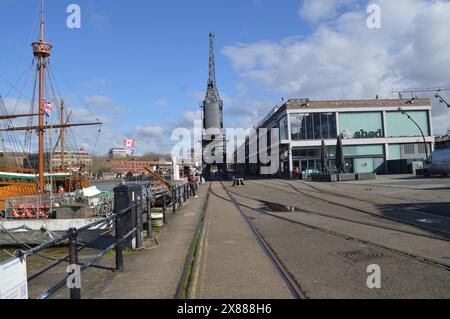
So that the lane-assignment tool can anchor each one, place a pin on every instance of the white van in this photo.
(439, 163)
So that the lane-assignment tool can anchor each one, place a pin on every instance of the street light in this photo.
(441, 99)
(420, 129)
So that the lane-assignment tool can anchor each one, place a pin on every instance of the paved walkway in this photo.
(230, 263)
(156, 273)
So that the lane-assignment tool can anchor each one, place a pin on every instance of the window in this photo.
(408, 149)
(398, 125)
(364, 150)
(361, 125)
(283, 124)
(315, 126)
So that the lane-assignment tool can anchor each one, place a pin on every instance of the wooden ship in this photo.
(31, 190)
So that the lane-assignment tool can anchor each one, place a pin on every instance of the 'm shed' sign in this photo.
(13, 280)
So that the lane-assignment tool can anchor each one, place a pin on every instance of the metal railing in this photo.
(119, 224)
(75, 247)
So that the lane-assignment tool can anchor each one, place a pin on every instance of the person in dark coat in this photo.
(192, 184)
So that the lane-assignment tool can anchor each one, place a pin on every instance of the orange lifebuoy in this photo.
(16, 214)
(42, 214)
(29, 214)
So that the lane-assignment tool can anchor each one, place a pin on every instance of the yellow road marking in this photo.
(193, 291)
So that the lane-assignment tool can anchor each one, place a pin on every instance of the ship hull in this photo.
(37, 232)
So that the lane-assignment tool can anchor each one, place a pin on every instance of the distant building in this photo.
(374, 133)
(138, 167)
(443, 142)
(118, 153)
(14, 159)
(72, 159)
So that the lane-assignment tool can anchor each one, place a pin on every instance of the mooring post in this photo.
(119, 245)
(75, 290)
(149, 218)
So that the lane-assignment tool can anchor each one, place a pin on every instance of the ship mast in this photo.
(41, 51)
(62, 136)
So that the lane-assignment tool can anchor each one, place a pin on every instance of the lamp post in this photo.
(420, 129)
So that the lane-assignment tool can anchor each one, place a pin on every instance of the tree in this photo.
(154, 157)
(100, 165)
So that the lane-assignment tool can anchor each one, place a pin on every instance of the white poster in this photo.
(13, 280)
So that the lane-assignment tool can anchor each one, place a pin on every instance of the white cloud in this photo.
(343, 58)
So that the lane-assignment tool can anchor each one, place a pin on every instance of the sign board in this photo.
(13, 280)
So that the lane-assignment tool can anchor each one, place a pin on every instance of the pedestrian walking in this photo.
(192, 184)
(297, 173)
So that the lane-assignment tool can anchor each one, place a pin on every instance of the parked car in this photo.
(438, 164)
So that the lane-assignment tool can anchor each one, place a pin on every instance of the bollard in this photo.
(174, 201)
(126, 196)
(149, 218)
(75, 292)
(119, 245)
(164, 208)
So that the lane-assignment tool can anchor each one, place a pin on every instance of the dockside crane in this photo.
(426, 90)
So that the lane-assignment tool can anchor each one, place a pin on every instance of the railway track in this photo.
(288, 279)
(422, 259)
(309, 211)
(190, 267)
(445, 234)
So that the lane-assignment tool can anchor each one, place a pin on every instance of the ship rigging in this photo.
(12, 178)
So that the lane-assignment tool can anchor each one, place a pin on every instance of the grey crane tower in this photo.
(213, 140)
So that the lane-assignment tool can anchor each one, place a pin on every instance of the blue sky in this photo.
(141, 66)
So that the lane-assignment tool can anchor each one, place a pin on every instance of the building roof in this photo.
(305, 104)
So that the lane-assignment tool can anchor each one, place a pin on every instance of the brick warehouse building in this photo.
(375, 133)
(137, 167)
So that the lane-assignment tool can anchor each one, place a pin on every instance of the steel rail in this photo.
(401, 221)
(447, 239)
(291, 283)
(422, 259)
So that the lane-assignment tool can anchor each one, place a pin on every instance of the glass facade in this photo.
(398, 125)
(361, 125)
(364, 150)
(283, 124)
(395, 152)
(314, 126)
(362, 157)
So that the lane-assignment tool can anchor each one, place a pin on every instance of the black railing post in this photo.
(149, 218)
(180, 200)
(119, 245)
(164, 208)
(75, 291)
(138, 215)
(174, 201)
